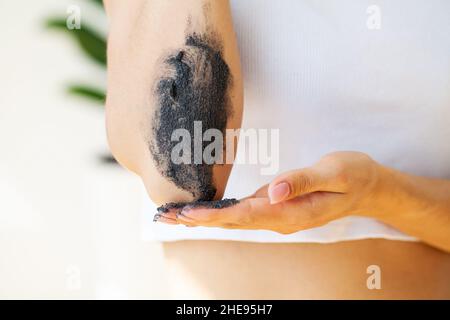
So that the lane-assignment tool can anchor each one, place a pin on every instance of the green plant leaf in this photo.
(108, 159)
(99, 2)
(88, 92)
(89, 40)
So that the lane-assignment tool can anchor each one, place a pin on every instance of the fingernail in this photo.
(156, 217)
(185, 211)
(182, 216)
(279, 192)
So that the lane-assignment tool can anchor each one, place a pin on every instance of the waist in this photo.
(351, 269)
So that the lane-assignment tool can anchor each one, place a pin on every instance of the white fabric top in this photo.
(339, 75)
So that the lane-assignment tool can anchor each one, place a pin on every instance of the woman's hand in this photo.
(340, 184)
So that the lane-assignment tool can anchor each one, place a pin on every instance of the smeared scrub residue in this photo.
(194, 87)
(217, 204)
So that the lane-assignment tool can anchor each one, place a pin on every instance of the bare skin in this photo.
(341, 184)
(136, 46)
(244, 270)
(351, 183)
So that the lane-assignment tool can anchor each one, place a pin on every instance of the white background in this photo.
(69, 225)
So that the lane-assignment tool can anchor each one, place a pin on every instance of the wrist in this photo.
(387, 196)
(397, 194)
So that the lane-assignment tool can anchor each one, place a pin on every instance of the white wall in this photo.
(69, 225)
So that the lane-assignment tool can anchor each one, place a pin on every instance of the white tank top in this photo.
(339, 75)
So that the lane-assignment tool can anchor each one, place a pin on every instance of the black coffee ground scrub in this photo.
(194, 87)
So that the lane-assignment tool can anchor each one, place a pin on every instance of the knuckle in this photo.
(343, 177)
(331, 157)
(363, 157)
(341, 173)
(336, 162)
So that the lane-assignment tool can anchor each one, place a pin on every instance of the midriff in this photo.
(242, 270)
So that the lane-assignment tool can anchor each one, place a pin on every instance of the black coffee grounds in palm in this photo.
(194, 87)
(216, 204)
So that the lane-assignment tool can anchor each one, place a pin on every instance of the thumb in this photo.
(294, 183)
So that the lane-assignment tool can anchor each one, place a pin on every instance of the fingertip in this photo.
(160, 218)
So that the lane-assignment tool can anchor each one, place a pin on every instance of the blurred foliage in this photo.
(96, 95)
(100, 2)
(93, 46)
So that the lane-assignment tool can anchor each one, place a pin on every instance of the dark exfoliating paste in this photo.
(193, 87)
(217, 204)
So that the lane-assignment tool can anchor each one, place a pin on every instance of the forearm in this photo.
(418, 206)
(172, 65)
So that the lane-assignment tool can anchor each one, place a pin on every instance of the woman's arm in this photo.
(418, 206)
(173, 72)
(339, 185)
